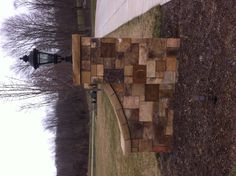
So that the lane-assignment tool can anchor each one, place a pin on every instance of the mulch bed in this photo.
(204, 141)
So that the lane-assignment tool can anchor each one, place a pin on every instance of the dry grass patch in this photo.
(144, 26)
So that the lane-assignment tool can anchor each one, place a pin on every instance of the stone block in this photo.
(146, 111)
(160, 66)
(151, 92)
(108, 50)
(120, 96)
(93, 70)
(85, 52)
(86, 86)
(169, 77)
(132, 56)
(167, 86)
(139, 74)
(142, 98)
(86, 76)
(100, 70)
(132, 114)
(169, 126)
(148, 132)
(131, 102)
(145, 145)
(128, 69)
(171, 64)
(123, 44)
(136, 129)
(151, 68)
(120, 55)
(163, 105)
(143, 54)
(95, 43)
(128, 80)
(86, 41)
(119, 63)
(109, 63)
(172, 52)
(95, 56)
(157, 48)
(96, 79)
(86, 65)
(118, 88)
(138, 89)
(114, 75)
(166, 93)
(169, 130)
(159, 128)
(154, 80)
(173, 42)
(160, 75)
(127, 89)
(108, 40)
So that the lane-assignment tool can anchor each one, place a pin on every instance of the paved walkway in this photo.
(111, 14)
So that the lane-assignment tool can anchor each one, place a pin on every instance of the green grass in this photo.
(109, 157)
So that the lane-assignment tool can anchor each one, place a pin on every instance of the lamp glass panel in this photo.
(45, 58)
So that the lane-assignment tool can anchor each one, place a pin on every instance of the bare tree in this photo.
(25, 31)
(44, 5)
(49, 25)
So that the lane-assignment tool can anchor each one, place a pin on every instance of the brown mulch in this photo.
(204, 141)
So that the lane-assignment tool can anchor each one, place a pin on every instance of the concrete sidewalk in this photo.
(110, 14)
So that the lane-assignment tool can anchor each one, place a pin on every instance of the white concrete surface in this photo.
(110, 14)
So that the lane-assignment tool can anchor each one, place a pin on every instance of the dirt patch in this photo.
(204, 131)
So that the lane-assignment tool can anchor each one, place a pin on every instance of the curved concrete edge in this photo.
(121, 119)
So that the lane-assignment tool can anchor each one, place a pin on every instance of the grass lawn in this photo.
(110, 160)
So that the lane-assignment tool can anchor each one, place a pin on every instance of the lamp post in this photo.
(37, 58)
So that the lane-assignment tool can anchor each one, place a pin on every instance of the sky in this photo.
(26, 149)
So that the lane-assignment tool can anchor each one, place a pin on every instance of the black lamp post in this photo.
(37, 58)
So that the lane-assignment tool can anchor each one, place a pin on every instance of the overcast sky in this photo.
(25, 148)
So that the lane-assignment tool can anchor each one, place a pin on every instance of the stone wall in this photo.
(142, 73)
